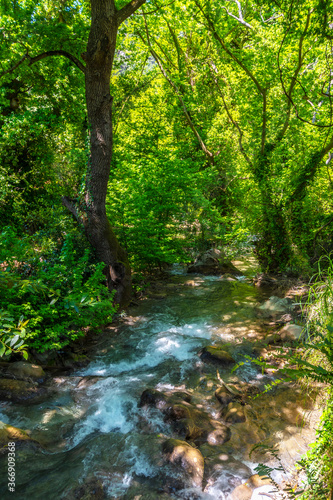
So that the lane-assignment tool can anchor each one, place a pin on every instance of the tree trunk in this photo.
(99, 58)
(273, 248)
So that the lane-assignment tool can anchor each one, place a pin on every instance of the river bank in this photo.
(160, 391)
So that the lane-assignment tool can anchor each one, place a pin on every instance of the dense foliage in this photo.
(222, 134)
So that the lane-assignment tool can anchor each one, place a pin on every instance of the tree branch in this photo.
(63, 53)
(208, 154)
(128, 10)
(240, 19)
(230, 54)
(13, 68)
(264, 121)
(71, 205)
(235, 124)
(288, 93)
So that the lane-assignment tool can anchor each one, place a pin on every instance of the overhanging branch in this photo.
(51, 53)
(128, 10)
(44, 55)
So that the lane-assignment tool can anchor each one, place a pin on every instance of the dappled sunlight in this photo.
(158, 346)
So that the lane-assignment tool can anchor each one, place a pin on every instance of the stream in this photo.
(97, 441)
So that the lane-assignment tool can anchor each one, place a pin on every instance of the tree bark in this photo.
(99, 56)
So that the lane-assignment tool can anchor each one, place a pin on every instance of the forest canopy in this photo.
(135, 135)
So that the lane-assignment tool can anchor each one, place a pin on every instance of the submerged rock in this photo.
(235, 413)
(9, 433)
(219, 436)
(152, 397)
(186, 420)
(217, 354)
(91, 489)
(20, 391)
(223, 396)
(181, 454)
(212, 262)
(23, 371)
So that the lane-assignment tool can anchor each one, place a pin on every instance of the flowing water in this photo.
(92, 428)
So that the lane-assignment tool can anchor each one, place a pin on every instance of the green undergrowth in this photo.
(52, 289)
(318, 462)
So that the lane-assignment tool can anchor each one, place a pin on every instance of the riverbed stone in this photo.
(217, 355)
(177, 412)
(20, 391)
(23, 371)
(8, 433)
(291, 332)
(187, 429)
(213, 262)
(274, 307)
(91, 489)
(181, 454)
(242, 492)
(219, 436)
(223, 396)
(154, 398)
(255, 481)
(235, 413)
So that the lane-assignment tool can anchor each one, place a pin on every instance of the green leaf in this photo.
(14, 340)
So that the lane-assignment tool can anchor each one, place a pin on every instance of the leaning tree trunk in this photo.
(105, 20)
(99, 58)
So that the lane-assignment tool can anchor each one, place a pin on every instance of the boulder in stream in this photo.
(212, 261)
(274, 307)
(181, 454)
(20, 391)
(9, 433)
(242, 492)
(218, 355)
(223, 396)
(186, 419)
(291, 332)
(90, 489)
(235, 413)
(23, 371)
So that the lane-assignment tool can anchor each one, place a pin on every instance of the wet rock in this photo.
(222, 470)
(144, 493)
(235, 413)
(20, 391)
(223, 396)
(91, 489)
(182, 395)
(186, 420)
(242, 492)
(87, 381)
(23, 371)
(216, 355)
(212, 262)
(186, 429)
(181, 454)
(9, 433)
(291, 332)
(152, 397)
(274, 307)
(255, 481)
(219, 436)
